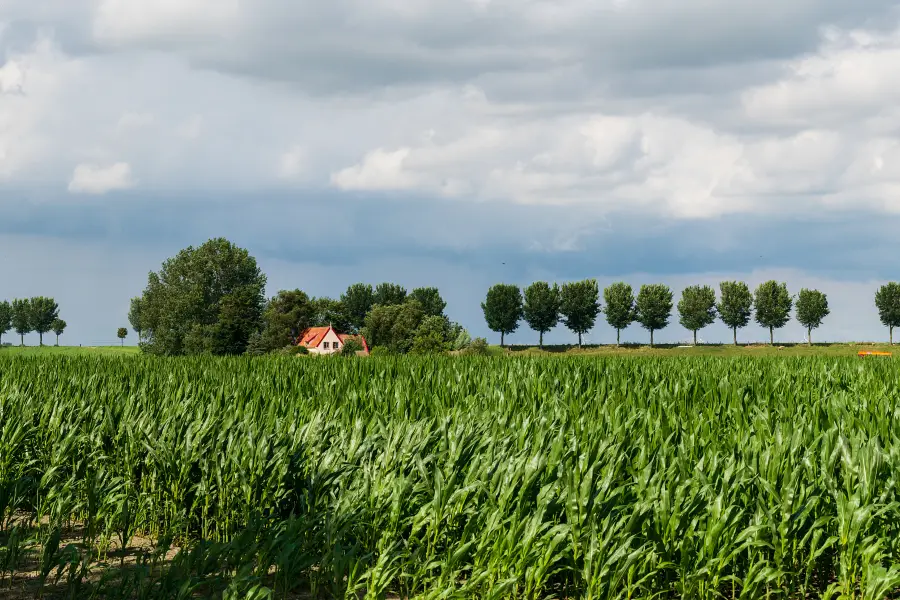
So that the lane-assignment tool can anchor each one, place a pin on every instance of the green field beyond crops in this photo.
(450, 478)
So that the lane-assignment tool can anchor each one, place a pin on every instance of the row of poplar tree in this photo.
(26, 315)
(577, 305)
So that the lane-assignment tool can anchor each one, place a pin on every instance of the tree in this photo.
(697, 308)
(432, 336)
(579, 305)
(541, 309)
(430, 299)
(207, 299)
(620, 308)
(284, 318)
(393, 326)
(134, 316)
(357, 302)
(43, 312)
(122, 333)
(502, 309)
(773, 306)
(330, 312)
(389, 294)
(887, 300)
(653, 307)
(21, 318)
(59, 326)
(735, 305)
(812, 308)
(6, 315)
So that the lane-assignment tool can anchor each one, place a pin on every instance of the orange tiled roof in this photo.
(312, 337)
(346, 336)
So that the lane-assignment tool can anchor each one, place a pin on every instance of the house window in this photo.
(325, 345)
(336, 345)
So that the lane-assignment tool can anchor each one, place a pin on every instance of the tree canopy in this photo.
(134, 316)
(43, 311)
(697, 308)
(887, 301)
(579, 305)
(6, 315)
(773, 306)
(653, 307)
(735, 306)
(21, 318)
(503, 309)
(357, 302)
(207, 299)
(541, 308)
(430, 299)
(620, 308)
(59, 326)
(812, 308)
(388, 294)
(284, 317)
(393, 326)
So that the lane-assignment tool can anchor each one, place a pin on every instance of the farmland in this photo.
(522, 477)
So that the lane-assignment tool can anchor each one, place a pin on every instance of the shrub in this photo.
(351, 347)
(478, 347)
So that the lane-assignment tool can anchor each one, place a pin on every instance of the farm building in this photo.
(325, 340)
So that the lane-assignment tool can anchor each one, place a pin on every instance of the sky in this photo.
(454, 143)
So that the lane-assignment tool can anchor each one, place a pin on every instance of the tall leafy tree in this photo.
(43, 312)
(812, 308)
(21, 318)
(887, 301)
(59, 326)
(620, 308)
(430, 299)
(388, 294)
(579, 305)
(502, 309)
(358, 301)
(653, 307)
(697, 308)
(285, 317)
(735, 305)
(207, 299)
(122, 333)
(6, 315)
(393, 326)
(328, 311)
(134, 316)
(541, 309)
(773, 306)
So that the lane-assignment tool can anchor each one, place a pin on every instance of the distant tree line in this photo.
(27, 315)
(577, 305)
(210, 300)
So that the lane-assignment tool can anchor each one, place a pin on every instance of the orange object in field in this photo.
(863, 353)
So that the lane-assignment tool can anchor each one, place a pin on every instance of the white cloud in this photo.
(379, 170)
(94, 179)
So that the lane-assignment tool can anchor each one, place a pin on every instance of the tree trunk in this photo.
(22, 339)
(809, 336)
(579, 339)
(771, 336)
(123, 342)
(618, 333)
(734, 330)
(57, 339)
(40, 338)
(651, 338)
(541, 342)
(891, 333)
(695, 337)
(501, 339)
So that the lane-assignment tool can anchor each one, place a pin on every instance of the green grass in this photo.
(602, 477)
(69, 351)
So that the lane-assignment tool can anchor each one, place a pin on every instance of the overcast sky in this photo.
(455, 143)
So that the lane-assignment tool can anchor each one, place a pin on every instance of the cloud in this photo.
(94, 179)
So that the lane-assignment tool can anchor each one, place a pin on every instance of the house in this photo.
(325, 340)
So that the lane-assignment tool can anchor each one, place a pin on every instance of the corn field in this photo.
(450, 478)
